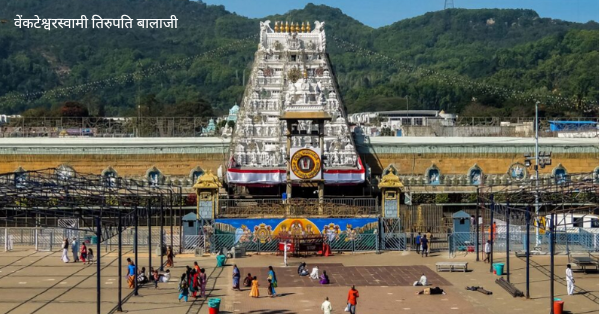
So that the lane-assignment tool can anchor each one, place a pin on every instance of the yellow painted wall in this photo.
(182, 164)
(461, 163)
(125, 165)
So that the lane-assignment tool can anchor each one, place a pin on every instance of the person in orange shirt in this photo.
(352, 296)
(492, 231)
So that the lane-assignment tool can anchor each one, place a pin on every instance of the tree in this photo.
(231, 124)
(195, 108)
(73, 109)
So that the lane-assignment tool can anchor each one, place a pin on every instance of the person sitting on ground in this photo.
(436, 290)
(302, 271)
(324, 279)
(422, 281)
(165, 277)
(248, 280)
(155, 277)
(141, 278)
(315, 273)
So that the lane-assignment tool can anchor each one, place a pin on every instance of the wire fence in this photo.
(343, 243)
(566, 241)
(108, 127)
(52, 239)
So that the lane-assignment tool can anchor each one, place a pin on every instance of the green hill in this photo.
(441, 60)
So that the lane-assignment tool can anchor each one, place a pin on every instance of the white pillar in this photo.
(285, 244)
(5, 239)
(36, 239)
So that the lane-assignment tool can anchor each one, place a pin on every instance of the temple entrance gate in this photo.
(392, 237)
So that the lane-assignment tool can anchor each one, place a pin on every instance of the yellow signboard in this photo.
(540, 223)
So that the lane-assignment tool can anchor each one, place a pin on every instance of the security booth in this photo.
(190, 224)
(461, 232)
(461, 222)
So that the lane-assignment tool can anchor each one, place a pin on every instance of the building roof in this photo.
(409, 112)
(481, 141)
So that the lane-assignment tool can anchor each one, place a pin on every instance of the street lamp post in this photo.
(537, 176)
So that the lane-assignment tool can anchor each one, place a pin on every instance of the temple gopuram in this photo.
(291, 75)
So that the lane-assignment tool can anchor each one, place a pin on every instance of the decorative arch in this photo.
(20, 177)
(390, 169)
(475, 175)
(559, 173)
(433, 175)
(196, 173)
(154, 176)
(64, 172)
(110, 175)
(110, 172)
(517, 171)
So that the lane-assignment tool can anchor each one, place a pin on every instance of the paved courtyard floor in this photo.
(38, 282)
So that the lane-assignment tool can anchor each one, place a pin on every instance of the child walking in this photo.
(90, 256)
(183, 288)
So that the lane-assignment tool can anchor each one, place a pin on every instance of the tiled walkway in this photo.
(346, 276)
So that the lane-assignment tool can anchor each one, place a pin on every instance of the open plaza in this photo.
(39, 282)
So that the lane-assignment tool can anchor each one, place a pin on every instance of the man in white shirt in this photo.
(570, 280)
(326, 306)
(487, 250)
(422, 281)
(315, 273)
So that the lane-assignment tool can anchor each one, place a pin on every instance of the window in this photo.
(418, 121)
(594, 223)
(406, 121)
(190, 223)
(293, 58)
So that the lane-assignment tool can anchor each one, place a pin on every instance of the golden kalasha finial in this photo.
(287, 27)
(297, 27)
(307, 27)
(276, 27)
(303, 29)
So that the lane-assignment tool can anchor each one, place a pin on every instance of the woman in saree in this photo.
(236, 278)
(254, 291)
(83, 251)
(272, 276)
(194, 285)
(169, 257)
(324, 278)
(65, 254)
(202, 280)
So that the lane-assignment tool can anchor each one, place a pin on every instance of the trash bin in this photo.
(213, 305)
(87, 239)
(221, 260)
(499, 268)
(94, 240)
(558, 307)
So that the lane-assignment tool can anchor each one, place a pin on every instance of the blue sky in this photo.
(378, 13)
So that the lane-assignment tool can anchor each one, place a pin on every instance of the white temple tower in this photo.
(291, 72)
